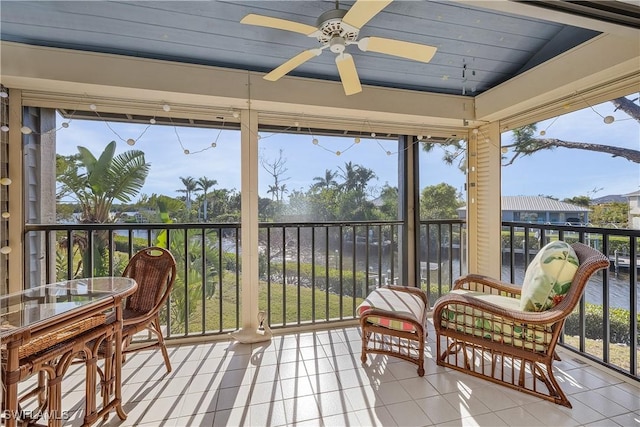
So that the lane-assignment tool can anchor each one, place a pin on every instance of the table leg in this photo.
(11, 376)
(118, 363)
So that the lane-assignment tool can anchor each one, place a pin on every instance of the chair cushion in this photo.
(395, 302)
(548, 277)
(464, 318)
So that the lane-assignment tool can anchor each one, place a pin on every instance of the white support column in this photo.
(484, 219)
(249, 231)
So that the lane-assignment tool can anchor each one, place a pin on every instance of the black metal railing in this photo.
(206, 293)
(320, 272)
(442, 255)
(604, 326)
(312, 273)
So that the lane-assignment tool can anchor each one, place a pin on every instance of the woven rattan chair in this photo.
(154, 269)
(508, 346)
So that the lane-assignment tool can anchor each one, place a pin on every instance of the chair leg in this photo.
(155, 324)
(365, 338)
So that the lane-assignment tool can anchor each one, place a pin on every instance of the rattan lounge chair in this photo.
(481, 330)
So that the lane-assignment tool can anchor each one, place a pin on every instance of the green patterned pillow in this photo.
(548, 277)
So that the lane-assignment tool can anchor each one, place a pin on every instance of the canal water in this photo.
(618, 288)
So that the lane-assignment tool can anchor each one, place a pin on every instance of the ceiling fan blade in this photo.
(348, 74)
(362, 11)
(294, 62)
(277, 23)
(409, 50)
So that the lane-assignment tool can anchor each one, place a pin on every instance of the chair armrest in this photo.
(142, 319)
(470, 282)
(411, 290)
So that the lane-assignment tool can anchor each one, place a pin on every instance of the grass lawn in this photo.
(619, 355)
(284, 307)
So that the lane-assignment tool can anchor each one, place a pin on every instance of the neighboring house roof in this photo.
(635, 193)
(377, 202)
(537, 203)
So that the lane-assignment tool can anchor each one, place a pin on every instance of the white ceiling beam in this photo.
(115, 76)
(602, 62)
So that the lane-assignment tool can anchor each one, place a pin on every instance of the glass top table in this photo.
(39, 311)
(41, 305)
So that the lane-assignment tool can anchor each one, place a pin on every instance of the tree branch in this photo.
(547, 143)
(628, 106)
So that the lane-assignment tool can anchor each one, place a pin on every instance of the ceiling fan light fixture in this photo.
(337, 44)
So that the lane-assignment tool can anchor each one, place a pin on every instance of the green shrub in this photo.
(122, 243)
(306, 279)
(594, 324)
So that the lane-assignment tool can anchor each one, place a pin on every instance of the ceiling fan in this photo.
(335, 30)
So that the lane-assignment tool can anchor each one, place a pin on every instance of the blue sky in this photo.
(560, 173)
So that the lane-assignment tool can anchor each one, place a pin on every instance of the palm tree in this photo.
(205, 184)
(103, 180)
(327, 181)
(349, 175)
(274, 190)
(283, 190)
(363, 176)
(190, 186)
(96, 184)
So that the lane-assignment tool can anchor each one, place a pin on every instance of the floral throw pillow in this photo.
(548, 277)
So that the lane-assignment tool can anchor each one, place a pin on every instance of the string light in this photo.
(6, 215)
(186, 151)
(26, 130)
(606, 119)
(5, 181)
(4, 128)
(166, 107)
(544, 132)
(93, 107)
(5, 250)
(4, 94)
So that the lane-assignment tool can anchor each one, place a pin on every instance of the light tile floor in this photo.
(317, 379)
